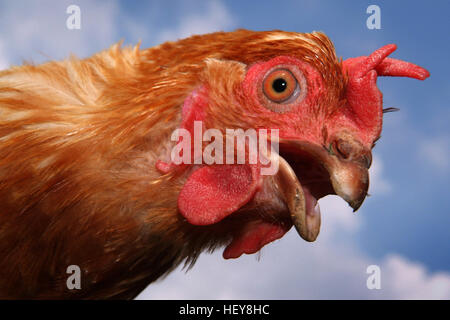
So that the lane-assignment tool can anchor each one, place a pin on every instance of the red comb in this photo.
(362, 94)
(398, 68)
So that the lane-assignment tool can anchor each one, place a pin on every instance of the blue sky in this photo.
(403, 226)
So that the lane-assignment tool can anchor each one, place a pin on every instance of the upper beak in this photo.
(348, 178)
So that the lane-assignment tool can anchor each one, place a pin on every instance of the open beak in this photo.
(308, 172)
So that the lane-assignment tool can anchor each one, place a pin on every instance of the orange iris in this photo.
(279, 85)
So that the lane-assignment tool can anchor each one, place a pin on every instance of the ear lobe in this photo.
(213, 192)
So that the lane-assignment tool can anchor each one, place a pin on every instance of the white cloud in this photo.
(436, 152)
(338, 215)
(216, 18)
(39, 33)
(378, 183)
(409, 280)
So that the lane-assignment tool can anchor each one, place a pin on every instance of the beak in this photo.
(350, 180)
(308, 172)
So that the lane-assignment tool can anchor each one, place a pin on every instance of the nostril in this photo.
(343, 148)
(347, 148)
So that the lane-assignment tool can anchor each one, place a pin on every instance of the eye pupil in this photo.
(279, 85)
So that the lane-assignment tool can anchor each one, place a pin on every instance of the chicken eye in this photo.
(282, 88)
(280, 85)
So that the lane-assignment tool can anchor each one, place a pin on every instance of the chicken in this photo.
(87, 178)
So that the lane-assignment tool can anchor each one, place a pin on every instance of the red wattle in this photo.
(253, 238)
